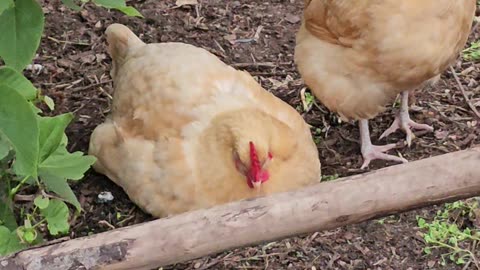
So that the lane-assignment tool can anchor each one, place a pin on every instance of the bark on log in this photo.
(321, 207)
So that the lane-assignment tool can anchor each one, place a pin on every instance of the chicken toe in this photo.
(402, 121)
(371, 152)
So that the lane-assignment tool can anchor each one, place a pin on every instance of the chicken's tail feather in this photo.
(121, 40)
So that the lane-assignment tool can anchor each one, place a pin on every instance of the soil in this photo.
(258, 36)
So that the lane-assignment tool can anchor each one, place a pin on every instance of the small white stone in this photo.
(105, 196)
(35, 68)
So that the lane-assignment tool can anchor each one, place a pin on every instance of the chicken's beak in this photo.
(257, 185)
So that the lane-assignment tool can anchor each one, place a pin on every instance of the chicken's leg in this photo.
(403, 121)
(371, 152)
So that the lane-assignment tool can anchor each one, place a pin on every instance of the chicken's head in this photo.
(255, 171)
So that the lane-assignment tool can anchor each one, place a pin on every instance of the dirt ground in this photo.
(258, 36)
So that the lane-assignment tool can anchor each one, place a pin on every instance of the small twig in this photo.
(73, 84)
(125, 220)
(24, 198)
(345, 137)
(46, 195)
(106, 223)
(318, 106)
(207, 266)
(197, 10)
(78, 89)
(268, 74)
(310, 239)
(67, 85)
(474, 258)
(68, 42)
(220, 46)
(467, 265)
(105, 92)
(472, 107)
(257, 33)
(261, 64)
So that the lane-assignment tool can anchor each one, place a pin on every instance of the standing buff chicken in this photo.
(187, 131)
(356, 56)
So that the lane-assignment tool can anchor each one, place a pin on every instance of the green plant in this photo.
(33, 152)
(307, 100)
(330, 177)
(445, 235)
(472, 53)
(317, 135)
(33, 147)
(113, 4)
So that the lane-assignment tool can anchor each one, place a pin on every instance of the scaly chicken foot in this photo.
(402, 121)
(371, 152)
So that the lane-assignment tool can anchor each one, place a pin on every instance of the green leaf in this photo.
(49, 101)
(452, 240)
(16, 80)
(71, 4)
(64, 141)
(427, 238)
(9, 241)
(19, 124)
(71, 166)
(5, 4)
(59, 186)
(110, 3)
(130, 11)
(453, 228)
(34, 108)
(56, 215)
(21, 27)
(119, 5)
(7, 218)
(41, 202)
(52, 130)
(421, 222)
(473, 52)
(4, 146)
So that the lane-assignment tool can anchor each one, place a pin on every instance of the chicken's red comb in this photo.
(254, 162)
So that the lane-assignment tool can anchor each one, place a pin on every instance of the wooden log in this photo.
(324, 206)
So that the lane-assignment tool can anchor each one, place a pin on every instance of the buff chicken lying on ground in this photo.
(187, 131)
(357, 56)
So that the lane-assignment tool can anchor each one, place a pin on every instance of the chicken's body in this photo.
(180, 116)
(356, 56)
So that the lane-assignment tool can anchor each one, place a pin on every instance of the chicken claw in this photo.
(371, 152)
(403, 122)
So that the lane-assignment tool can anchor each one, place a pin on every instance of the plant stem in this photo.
(38, 223)
(456, 249)
(15, 189)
